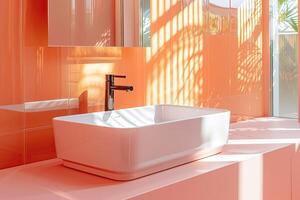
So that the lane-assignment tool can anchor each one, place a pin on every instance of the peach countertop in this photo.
(254, 146)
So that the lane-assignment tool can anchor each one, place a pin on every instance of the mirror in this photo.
(99, 23)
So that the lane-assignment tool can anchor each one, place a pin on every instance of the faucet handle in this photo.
(111, 77)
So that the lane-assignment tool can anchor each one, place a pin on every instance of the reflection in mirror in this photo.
(99, 23)
(146, 22)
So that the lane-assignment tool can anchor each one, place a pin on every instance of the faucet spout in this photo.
(110, 88)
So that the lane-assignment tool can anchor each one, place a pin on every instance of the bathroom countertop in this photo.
(253, 147)
(268, 130)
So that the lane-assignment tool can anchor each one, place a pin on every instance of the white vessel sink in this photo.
(130, 143)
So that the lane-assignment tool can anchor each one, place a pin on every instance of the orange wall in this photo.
(213, 57)
(201, 55)
(11, 87)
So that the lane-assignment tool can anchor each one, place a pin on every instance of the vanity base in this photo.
(137, 174)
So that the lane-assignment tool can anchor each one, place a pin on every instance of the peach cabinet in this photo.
(97, 23)
(81, 23)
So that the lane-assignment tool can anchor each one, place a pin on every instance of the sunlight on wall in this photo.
(249, 16)
(93, 81)
(100, 53)
(88, 67)
(213, 56)
(175, 55)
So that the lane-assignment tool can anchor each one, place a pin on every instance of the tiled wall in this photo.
(202, 55)
(11, 87)
(209, 54)
(31, 72)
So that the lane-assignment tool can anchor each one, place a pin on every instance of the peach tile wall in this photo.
(11, 87)
(208, 54)
(201, 55)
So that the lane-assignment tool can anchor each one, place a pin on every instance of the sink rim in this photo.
(68, 118)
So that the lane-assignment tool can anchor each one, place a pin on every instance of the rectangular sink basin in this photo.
(131, 143)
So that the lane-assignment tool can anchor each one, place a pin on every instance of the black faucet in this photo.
(110, 87)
